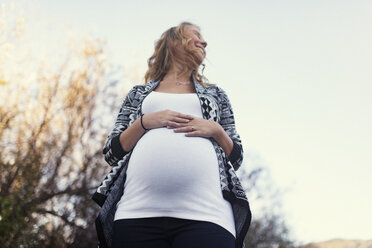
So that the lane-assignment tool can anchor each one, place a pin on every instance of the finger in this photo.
(179, 125)
(183, 129)
(179, 129)
(182, 120)
(184, 116)
(172, 124)
(190, 117)
(193, 134)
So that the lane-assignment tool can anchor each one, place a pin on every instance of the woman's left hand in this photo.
(198, 127)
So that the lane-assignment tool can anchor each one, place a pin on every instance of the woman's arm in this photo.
(227, 122)
(112, 149)
(128, 138)
(223, 140)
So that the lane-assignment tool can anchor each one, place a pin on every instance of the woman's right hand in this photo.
(165, 118)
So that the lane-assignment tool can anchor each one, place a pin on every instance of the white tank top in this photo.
(172, 175)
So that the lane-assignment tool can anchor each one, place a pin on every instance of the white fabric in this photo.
(179, 175)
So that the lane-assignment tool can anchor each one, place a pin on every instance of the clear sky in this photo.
(299, 77)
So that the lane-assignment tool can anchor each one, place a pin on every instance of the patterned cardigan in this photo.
(215, 106)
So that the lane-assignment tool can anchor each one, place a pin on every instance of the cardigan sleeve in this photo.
(227, 121)
(112, 149)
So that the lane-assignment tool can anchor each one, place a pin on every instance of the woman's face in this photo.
(197, 41)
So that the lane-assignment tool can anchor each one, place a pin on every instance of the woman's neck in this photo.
(174, 75)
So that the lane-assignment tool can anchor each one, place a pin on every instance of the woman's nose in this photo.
(204, 43)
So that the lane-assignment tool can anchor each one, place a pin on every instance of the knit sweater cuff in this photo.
(235, 153)
(117, 150)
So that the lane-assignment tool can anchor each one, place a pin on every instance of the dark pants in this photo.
(169, 232)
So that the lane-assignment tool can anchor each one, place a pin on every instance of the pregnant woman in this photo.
(174, 151)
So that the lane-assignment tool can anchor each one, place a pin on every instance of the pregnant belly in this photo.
(165, 163)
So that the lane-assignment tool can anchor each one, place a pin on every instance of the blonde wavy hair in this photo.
(167, 51)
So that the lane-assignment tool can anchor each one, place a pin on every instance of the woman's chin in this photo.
(200, 57)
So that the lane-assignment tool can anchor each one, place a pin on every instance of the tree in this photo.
(268, 229)
(51, 139)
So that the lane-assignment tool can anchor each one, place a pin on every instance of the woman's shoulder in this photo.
(215, 89)
(138, 88)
